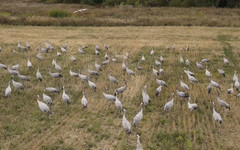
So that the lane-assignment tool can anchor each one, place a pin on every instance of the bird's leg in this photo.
(163, 112)
(214, 124)
(136, 128)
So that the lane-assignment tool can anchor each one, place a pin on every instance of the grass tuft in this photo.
(58, 13)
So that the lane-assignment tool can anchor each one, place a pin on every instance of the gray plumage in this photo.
(199, 65)
(121, 89)
(83, 77)
(169, 104)
(92, 72)
(182, 94)
(17, 85)
(109, 97)
(38, 75)
(98, 67)
(13, 72)
(216, 115)
(158, 90)
(161, 82)
(52, 89)
(223, 103)
(3, 66)
(192, 106)
(47, 99)
(112, 79)
(130, 72)
(221, 72)
(139, 146)
(92, 85)
(65, 97)
(126, 124)
(204, 60)
(145, 96)
(209, 88)
(15, 67)
(55, 74)
(8, 90)
(23, 77)
(73, 74)
(84, 100)
(138, 117)
(43, 107)
(118, 104)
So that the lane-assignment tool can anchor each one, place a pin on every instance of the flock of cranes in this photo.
(45, 105)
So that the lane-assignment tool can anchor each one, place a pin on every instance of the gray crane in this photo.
(169, 104)
(138, 117)
(126, 124)
(216, 115)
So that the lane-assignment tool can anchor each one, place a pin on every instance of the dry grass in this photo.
(23, 126)
(25, 13)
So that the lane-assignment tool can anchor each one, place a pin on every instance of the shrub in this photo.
(109, 3)
(188, 3)
(92, 2)
(156, 3)
(58, 13)
(176, 3)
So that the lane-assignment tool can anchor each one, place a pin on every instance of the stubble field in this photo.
(24, 126)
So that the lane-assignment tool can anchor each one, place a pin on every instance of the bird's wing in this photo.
(76, 11)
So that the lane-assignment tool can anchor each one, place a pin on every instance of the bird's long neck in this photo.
(138, 140)
(213, 108)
